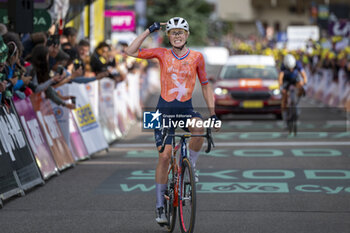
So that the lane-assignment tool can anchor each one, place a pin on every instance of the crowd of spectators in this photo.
(43, 61)
(325, 53)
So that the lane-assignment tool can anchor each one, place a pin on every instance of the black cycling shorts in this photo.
(174, 111)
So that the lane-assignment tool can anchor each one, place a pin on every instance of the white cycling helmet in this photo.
(289, 61)
(177, 22)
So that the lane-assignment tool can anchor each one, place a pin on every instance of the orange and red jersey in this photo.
(178, 74)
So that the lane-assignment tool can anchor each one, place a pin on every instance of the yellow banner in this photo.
(98, 22)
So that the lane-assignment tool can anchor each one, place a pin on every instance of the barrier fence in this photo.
(19, 171)
(330, 91)
(39, 139)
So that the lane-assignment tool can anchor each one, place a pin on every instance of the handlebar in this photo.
(208, 136)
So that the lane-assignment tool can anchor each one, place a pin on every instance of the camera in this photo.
(77, 63)
(9, 85)
(73, 99)
(53, 40)
(60, 70)
(113, 73)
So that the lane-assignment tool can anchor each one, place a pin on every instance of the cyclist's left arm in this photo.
(209, 98)
(302, 72)
(206, 88)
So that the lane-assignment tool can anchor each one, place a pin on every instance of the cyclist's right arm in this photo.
(133, 48)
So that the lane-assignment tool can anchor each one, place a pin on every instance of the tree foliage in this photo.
(196, 12)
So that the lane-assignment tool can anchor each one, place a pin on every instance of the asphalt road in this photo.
(257, 180)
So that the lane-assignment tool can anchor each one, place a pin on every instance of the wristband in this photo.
(154, 27)
(214, 117)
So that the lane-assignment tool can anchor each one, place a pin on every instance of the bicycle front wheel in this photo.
(293, 120)
(170, 208)
(187, 197)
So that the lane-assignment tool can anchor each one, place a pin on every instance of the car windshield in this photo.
(237, 72)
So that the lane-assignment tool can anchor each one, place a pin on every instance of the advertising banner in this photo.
(342, 79)
(134, 93)
(15, 147)
(297, 36)
(339, 28)
(8, 182)
(68, 128)
(76, 140)
(36, 138)
(127, 98)
(108, 125)
(62, 117)
(54, 137)
(120, 109)
(122, 20)
(41, 20)
(92, 92)
(87, 123)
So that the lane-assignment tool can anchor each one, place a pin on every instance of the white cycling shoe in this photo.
(160, 216)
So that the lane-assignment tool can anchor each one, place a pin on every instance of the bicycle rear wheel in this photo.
(295, 122)
(187, 199)
(170, 209)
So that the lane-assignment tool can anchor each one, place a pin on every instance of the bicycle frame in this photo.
(176, 162)
(178, 168)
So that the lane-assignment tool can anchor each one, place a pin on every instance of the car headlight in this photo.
(276, 92)
(220, 91)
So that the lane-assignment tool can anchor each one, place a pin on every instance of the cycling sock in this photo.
(194, 156)
(160, 191)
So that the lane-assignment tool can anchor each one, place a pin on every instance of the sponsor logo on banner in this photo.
(107, 86)
(58, 112)
(86, 118)
(339, 28)
(11, 136)
(122, 20)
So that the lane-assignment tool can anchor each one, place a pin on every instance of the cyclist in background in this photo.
(289, 75)
(179, 68)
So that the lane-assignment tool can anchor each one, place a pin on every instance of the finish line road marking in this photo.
(243, 144)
